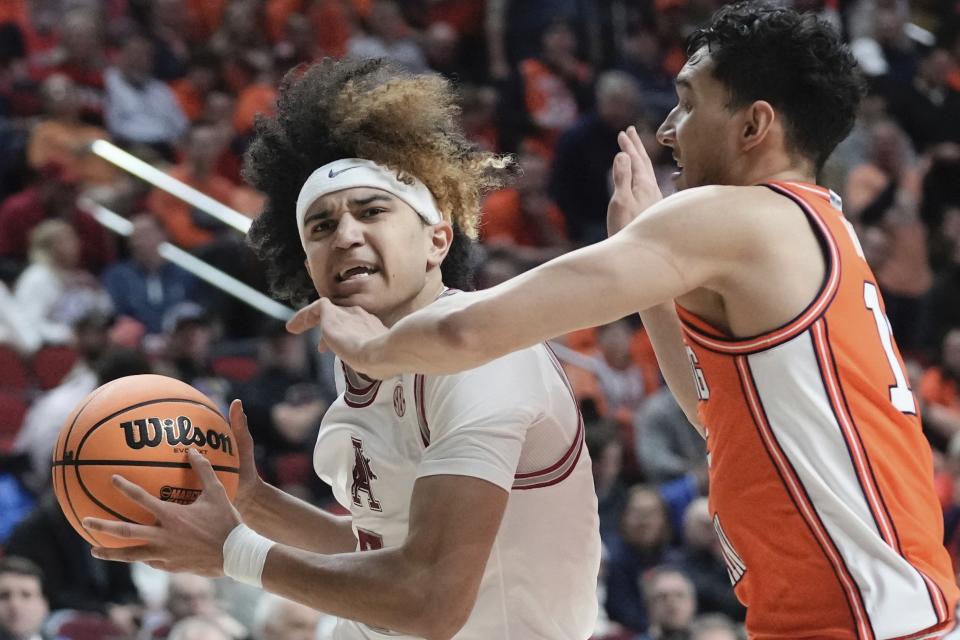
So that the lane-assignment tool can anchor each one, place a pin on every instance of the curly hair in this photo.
(796, 62)
(373, 110)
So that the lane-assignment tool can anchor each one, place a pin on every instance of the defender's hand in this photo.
(350, 332)
(635, 185)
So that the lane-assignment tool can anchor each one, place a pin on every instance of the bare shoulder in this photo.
(721, 219)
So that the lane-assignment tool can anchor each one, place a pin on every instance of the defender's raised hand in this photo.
(635, 185)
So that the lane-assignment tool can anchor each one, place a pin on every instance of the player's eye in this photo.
(372, 212)
(324, 226)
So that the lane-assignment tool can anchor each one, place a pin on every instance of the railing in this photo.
(151, 175)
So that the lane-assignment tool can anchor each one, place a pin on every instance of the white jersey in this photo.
(513, 422)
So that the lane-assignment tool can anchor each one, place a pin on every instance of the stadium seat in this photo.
(235, 368)
(14, 373)
(12, 409)
(52, 363)
(83, 625)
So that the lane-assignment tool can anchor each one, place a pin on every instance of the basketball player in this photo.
(470, 495)
(820, 477)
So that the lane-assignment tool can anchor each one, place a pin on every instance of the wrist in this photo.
(245, 554)
(249, 499)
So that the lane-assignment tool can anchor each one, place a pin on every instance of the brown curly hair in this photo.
(362, 109)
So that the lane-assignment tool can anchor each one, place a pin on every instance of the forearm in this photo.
(288, 520)
(663, 328)
(384, 588)
(588, 287)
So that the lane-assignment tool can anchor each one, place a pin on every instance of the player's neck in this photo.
(430, 292)
(777, 168)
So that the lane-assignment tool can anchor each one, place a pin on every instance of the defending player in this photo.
(470, 495)
(820, 477)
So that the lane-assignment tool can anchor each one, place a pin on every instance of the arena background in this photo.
(109, 267)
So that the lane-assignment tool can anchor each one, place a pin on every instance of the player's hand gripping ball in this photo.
(139, 427)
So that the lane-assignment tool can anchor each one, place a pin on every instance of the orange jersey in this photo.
(821, 481)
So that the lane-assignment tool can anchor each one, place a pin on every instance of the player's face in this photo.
(700, 129)
(367, 248)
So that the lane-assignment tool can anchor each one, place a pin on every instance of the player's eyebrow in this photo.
(682, 81)
(357, 202)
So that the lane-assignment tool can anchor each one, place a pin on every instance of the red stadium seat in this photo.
(52, 363)
(12, 409)
(14, 373)
(82, 625)
(235, 368)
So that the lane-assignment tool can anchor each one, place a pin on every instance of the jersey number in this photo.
(703, 391)
(900, 394)
(369, 540)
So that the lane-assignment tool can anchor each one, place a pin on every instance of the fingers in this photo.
(307, 318)
(142, 553)
(621, 171)
(126, 530)
(137, 494)
(203, 468)
(238, 421)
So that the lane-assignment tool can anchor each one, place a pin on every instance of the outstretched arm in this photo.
(682, 243)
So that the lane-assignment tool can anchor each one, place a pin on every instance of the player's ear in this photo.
(440, 239)
(759, 119)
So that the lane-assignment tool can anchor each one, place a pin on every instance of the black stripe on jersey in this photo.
(873, 477)
(816, 538)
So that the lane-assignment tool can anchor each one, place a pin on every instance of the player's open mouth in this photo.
(356, 273)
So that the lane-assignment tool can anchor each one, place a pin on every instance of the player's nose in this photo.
(666, 134)
(349, 232)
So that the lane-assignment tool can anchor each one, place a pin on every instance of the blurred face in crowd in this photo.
(22, 605)
(440, 45)
(65, 248)
(888, 147)
(614, 342)
(60, 97)
(366, 247)
(671, 601)
(136, 59)
(698, 526)
(385, 20)
(291, 621)
(204, 147)
(536, 172)
(190, 595)
(644, 524)
(170, 14)
(558, 41)
(618, 100)
(698, 130)
(145, 240)
(951, 352)
(714, 634)
(80, 35)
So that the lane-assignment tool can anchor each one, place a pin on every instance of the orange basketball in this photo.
(139, 427)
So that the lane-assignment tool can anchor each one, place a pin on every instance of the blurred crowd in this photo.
(178, 83)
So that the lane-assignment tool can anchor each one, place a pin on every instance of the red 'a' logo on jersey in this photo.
(362, 477)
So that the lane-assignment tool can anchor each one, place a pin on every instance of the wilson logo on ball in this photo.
(150, 432)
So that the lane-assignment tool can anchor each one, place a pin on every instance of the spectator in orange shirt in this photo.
(556, 83)
(940, 389)
(191, 91)
(187, 227)
(524, 218)
(62, 138)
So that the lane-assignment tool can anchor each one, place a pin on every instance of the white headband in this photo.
(357, 172)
